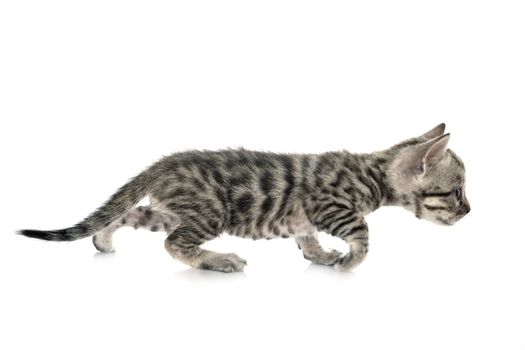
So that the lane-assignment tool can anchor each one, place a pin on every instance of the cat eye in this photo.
(458, 193)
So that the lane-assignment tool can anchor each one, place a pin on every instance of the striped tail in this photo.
(118, 205)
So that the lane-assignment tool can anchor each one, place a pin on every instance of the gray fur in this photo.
(195, 196)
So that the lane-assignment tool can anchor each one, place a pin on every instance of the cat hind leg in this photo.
(139, 217)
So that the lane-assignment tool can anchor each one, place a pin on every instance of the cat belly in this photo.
(289, 226)
(297, 225)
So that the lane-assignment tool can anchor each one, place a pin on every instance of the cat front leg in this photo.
(348, 225)
(357, 239)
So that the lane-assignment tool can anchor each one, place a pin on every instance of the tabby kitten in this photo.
(195, 196)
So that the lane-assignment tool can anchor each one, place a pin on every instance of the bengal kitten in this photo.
(195, 196)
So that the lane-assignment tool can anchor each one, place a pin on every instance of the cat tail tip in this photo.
(45, 235)
(69, 234)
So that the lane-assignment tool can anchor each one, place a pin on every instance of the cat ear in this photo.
(435, 132)
(429, 135)
(431, 152)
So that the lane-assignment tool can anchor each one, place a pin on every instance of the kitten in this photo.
(195, 196)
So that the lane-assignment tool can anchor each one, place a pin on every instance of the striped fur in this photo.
(197, 195)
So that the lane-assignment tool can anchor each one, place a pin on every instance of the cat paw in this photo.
(333, 256)
(103, 243)
(349, 261)
(224, 263)
(329, 257)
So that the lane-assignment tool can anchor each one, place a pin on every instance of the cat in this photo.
(197, 195)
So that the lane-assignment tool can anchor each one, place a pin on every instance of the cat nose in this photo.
(465, 209)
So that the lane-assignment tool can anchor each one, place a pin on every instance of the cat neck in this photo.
(378, 167)
(371, 171)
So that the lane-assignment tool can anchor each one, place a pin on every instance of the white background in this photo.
(92, 92)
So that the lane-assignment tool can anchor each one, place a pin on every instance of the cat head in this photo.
(429, 179)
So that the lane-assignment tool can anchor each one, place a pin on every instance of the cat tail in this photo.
(118, 205)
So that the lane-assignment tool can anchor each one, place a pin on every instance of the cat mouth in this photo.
(447, 222)
(452, 220)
